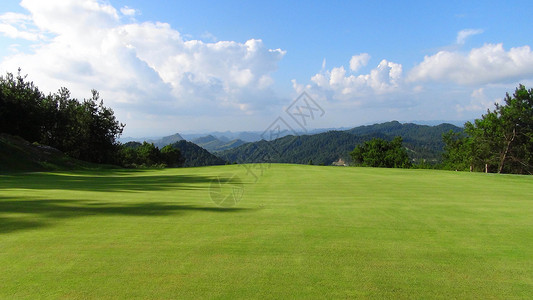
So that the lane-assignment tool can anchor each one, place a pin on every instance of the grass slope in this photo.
(17, 154)
(298, 232)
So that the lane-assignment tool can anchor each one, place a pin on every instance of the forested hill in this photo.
(196, 156)
(423, 142)
(213, 144)
(408, 131)
(323, 148)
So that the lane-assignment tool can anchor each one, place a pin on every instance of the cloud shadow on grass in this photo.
(114, 182)
(22, 214)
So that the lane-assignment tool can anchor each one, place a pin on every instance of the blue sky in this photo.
(189, 66)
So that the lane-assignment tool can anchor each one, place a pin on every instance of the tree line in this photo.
(135, 155)
(501, 141)
(85, 130)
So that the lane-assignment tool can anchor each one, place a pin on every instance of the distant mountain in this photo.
(159, 142)
(213, 144)
(192, 154)
(406, 130)
(423, 142)
(322, 148)
(167, 140)
(196, 156)
(226, 136)
(205, 140)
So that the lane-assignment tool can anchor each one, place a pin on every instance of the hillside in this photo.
(423, 143)
(167, 140)
(322, 148)
(426, 141)
(196, 156)
(17, 154)
(213, 144)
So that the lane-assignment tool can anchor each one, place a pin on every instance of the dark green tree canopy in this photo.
(500, 141)
(381, 153)
(84, 130)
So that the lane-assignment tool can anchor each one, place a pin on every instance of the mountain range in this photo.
(213, 144)
(423, 142)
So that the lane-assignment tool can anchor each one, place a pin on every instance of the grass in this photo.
(297, 232)
(18, 154)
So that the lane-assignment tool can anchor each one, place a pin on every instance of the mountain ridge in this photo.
(424, 143)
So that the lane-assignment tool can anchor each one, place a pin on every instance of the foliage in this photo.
(500, 141)
(381, 153)
(457, 151)
(84, 130)
(135, 154)
(21, 112)
(423, 141)
(424, 144)
(171, 156)
(178, 154)
(17, 154)
(196, 156)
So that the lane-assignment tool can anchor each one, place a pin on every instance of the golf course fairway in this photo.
(266, 231)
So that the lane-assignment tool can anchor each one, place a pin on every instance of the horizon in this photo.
(204, 133)
(201, 66)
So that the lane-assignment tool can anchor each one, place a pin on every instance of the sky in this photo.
(197, 66)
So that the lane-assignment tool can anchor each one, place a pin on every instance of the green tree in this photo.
(148, 154)
(171, 156)
(381, 153)
(86, 130)
(457, 151)
(20, 111)
(500, 141)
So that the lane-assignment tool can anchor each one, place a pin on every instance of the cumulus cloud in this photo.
(339, 85)
(466, 33)
(128, 11)
(145, 67)
(359, 61)
(490, 63)
(15, 26)
(479, 102)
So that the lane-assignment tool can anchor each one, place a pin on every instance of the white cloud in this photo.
(10, 17)
(144, 67)
(15, 26)
(487, 64)
(359, 61)
(128, 11)
(71, 17)
(12, 32)
(479, 102)
(339, 85)
(466, 33)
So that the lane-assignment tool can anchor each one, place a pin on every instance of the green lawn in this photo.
(296, 232)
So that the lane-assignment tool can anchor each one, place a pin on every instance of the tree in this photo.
(20, 111)
(457, 151)
(86, 130)
(501, 141)
(381, 153)
(171, 156)
(148, 154)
